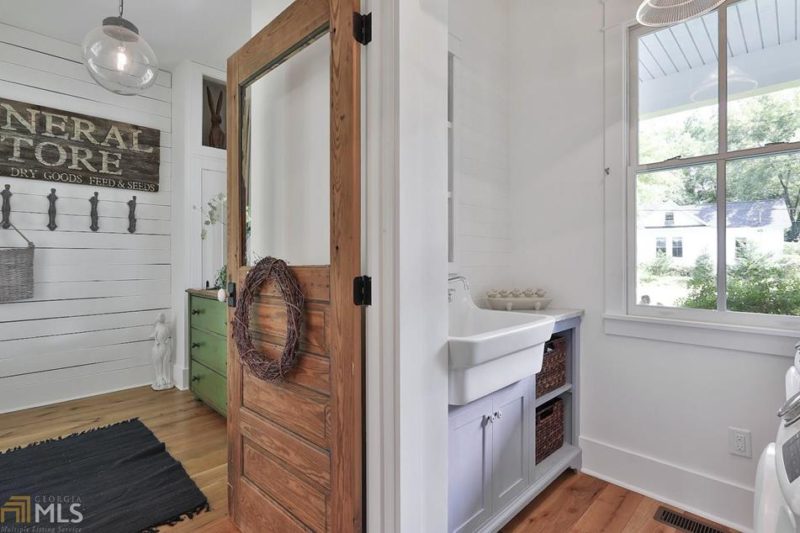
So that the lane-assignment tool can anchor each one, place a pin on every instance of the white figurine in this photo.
(162, 354)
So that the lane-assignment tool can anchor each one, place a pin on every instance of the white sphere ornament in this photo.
(659, 13)
(118, 58)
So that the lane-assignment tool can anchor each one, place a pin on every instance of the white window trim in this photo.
(748, 332)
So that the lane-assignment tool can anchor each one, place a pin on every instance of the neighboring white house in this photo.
(685, 232)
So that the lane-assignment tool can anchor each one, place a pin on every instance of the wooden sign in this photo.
(46, 144)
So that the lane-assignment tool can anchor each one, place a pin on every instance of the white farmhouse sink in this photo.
(490, 349)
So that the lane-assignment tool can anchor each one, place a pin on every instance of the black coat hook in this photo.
(51, 211)
(132, 215)
(94, 200)
(6, 209)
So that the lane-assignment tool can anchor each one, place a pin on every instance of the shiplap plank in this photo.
(12, 312)
(98, 289)
(57, 66)
(13, 366)
(52, 388)
(75, 341)
(108, 206)
(64, 326)
(72, 223)
(62, 100)
(55, 47)
(70, 273)
(36, 379)
(53, 239)
(38, 191)
(85, 89)
(55, 257)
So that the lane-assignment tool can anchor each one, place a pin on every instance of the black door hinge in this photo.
(362, 27)
(362, 290)
(231, 294)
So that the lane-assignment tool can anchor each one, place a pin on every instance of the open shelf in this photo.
(553, 394)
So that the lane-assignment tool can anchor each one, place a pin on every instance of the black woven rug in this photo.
(116, 479)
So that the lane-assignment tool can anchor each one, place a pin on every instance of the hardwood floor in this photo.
(579, 503)
(194, 434)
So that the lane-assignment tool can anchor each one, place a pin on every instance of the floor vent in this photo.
(683, 523)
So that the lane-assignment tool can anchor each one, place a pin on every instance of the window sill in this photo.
(758, 340)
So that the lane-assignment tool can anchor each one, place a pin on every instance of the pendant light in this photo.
(118, 58)
(668, 12)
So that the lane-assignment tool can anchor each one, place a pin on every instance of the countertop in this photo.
(558, 314)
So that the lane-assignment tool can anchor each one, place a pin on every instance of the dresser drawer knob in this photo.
(196, 311)
(195, 345)
(195, 378)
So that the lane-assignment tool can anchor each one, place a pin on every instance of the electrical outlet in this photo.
(739, 442)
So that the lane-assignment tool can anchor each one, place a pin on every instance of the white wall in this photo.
(480, 41)
(96, 295)
(289, 192)
(654, 415)
(199, 173)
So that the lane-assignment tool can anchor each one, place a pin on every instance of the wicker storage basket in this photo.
(554, 367)
(16, 272)
(549, 429)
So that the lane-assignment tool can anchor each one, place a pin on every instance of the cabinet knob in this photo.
(498, 415)
(196, 311)
(195, 378)
(195, 345)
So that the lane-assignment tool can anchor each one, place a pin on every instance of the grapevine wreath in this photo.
(266, 270)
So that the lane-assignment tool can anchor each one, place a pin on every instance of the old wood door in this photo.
(295, 448)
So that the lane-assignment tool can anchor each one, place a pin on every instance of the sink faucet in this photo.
(452, 292)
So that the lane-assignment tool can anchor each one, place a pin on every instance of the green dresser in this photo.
(208, 350)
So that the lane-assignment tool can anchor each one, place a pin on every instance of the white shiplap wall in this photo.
(96, 295)
(482, 192)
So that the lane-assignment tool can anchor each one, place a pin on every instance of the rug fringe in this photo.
(188, 515)
(55, 439)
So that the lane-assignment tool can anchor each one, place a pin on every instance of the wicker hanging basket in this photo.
(16, 272)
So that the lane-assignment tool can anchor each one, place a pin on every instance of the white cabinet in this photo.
(490, 443)
(492, 473)
(512, 430)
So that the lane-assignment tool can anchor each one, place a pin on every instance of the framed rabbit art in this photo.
(214, 115)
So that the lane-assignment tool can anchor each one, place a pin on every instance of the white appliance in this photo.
(777, 501)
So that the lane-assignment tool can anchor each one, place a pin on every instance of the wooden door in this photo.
(295, 448)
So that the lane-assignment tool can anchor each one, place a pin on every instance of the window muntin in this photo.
(664, 278)
(692, 137)
(677, 247)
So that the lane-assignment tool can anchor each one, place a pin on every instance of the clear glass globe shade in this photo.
(119, 59)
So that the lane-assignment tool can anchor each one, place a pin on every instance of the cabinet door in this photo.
(511, 442)
(469, 475)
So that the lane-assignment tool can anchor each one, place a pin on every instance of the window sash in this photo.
(720, 159)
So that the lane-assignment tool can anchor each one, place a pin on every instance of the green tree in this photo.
(702, 285)
(756, 284)
(752, 122)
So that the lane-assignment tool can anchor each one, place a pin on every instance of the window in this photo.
(720, 161)
(677, 247)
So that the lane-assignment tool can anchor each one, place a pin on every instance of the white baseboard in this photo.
(181, 377)
(725, 502)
